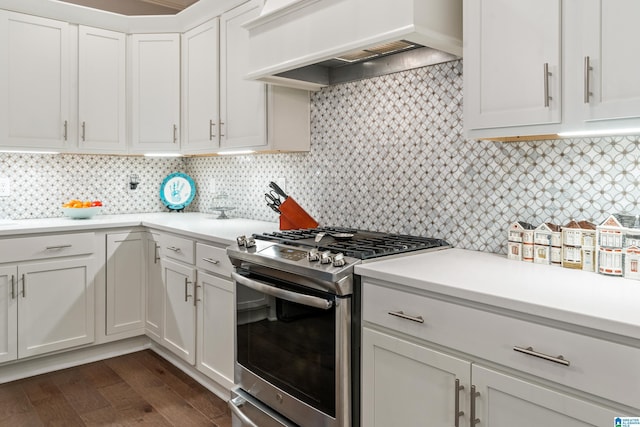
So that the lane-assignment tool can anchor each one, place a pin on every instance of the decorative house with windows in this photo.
(618, 249)
(520, 241)
(547, 244)
(579, 245)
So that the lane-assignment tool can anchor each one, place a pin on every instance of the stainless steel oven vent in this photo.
(377, 51)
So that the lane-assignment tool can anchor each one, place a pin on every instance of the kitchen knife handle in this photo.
(278, 190)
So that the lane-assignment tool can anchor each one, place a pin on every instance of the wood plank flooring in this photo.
(139, 389)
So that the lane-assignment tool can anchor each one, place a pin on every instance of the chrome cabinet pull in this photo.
(195, 295)
(65, 130)
(175, 134)
(173, 248)
(235, 405)
(221, 124)
(473, 421)
(13, 287)
(547, 74)
(50, 248)
(457, 413)
(24, 286)
(211, 126)
(211, 260)
(401, 315)
(186, 289)
(156, 258)
(587, 79)
(83, 130)
(531, 352)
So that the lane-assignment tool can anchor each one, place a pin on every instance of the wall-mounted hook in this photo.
(134, 180)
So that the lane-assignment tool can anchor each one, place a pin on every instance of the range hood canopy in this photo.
(309, 44)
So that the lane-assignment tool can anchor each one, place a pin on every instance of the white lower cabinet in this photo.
(507, 401)
(125, 282)
(514, 371)
(406, 384)
(179, 325)
(46, 305)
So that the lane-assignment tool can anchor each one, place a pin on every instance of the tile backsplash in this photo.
(387, 154)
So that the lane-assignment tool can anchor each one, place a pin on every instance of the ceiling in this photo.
(136, 7)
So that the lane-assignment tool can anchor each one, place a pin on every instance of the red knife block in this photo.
(292, 216)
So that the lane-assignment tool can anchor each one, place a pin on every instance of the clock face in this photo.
(177, 191)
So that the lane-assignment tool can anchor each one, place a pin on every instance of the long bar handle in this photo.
(211, 126)
(84, 128)
(474, 394)
(211, 260)
(401, 315)
(156, 257)
(457, 413)
(235, 404)
(531, 352)
(587, 79)
(66, 124)
(173, 248)
(13, 287)
(547, 74)
(24, 286)
(50, 248)
(186, 289)
(282, 293)
(221, 123)
(175, 134)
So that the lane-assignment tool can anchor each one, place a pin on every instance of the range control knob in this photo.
(313, 255)
(338, 260)
(242, 240)
(325, 257)
(250, 242)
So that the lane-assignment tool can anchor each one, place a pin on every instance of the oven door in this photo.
(292, 349)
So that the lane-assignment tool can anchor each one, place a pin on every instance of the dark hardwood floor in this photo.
(139, 389)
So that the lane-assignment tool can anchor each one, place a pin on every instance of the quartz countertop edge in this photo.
(197, 225)
(585, 299)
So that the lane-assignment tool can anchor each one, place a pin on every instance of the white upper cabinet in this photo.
(243, 102)
(200, 88)
(101, 90)
(512, 62)
(155, 93)
(609, 76)
(34, 83)
(591, 83)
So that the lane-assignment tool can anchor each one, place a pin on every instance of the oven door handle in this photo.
(308, 300)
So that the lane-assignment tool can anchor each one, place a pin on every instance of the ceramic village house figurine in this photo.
(578, 245)
(520, 241)
(618, 246)
(547, 241)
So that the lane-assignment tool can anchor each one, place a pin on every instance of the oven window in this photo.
(290, 345)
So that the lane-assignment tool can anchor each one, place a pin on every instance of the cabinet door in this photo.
(101, 90)
(216, 314)
(154, 291)
(242, 102)
(125, 282)
(57, 306)
(200, 83)
(505, 401)
(8, 314)
(509, 46)
(404, 384)
(34, 82)
(612, 80)
(179, 327)
(155, 92)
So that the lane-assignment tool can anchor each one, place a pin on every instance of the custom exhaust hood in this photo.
(309, 44)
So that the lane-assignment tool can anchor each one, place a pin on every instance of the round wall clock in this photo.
(177, 191)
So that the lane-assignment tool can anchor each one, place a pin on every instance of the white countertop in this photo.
(608, 304)
(192, 224)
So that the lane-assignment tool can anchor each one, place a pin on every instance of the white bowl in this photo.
(81, 213)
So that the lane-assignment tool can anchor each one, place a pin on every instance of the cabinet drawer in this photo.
(42, 247)
(178, 248)
(214, 259)
(603, 368)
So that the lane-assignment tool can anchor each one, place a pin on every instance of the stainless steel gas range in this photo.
(298, 323)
